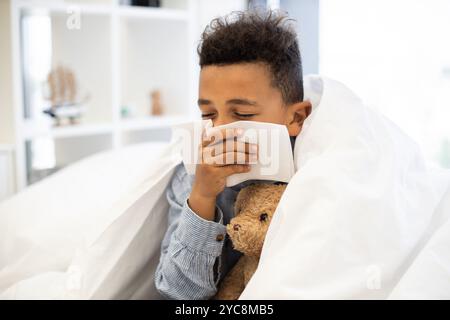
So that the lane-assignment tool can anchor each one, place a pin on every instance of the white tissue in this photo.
(275, 157)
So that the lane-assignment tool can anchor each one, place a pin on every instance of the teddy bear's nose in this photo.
(236, 227)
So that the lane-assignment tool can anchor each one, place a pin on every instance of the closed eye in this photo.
(207, 115)
(244, 115)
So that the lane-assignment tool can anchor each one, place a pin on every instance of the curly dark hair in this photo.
(266, 36)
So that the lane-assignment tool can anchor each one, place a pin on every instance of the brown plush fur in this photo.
(248, 230)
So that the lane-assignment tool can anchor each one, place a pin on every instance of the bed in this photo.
(364, 217)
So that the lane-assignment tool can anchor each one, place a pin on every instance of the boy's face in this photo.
(244, 92)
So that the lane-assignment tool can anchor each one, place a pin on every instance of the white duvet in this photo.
(91, 231)
(362, 218)
(360, 208)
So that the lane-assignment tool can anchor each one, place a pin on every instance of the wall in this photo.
(306, 12)
(209, 9)
(6, 90)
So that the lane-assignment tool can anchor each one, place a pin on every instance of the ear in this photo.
(296, 115)
(239, 201)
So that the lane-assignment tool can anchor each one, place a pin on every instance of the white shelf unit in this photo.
(119, 54)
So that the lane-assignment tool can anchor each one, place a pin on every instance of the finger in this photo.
(231, 146)
(205, 139)
(228, 158)
(234, 168)
(221, 135)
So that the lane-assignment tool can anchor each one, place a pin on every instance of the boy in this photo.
(250, 70)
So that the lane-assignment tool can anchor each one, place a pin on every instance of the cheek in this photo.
(274, 114)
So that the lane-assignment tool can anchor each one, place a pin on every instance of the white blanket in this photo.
(91, 231)
(359, 209)
(362, 218)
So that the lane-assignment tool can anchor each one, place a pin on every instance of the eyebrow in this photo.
(240, 101)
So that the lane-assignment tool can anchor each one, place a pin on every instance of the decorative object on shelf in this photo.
(156, 108)
(146, 3)
(125, 112)
(128, 110)
(64, 96)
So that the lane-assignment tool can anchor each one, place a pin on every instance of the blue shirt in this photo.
(196, 254)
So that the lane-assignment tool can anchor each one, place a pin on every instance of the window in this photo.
(396, 56)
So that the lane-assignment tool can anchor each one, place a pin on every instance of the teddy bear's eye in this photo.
(263, 216)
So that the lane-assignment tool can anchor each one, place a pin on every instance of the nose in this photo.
(222, 120)
(236, 227)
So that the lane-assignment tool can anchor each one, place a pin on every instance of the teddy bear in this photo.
(254, 208)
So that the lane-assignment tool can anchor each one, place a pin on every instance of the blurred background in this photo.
(79, 77)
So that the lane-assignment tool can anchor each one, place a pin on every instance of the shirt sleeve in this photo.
(191, 248)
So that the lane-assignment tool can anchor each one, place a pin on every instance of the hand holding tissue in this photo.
(275, 159)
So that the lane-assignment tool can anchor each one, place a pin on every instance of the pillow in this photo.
(58, 227)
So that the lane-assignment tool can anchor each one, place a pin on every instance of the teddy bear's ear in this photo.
(240, 200)
(238, 205)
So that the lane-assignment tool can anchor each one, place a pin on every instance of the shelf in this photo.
(151, 123)
(65, 8)
(102, 9)
(153, 13)
(31, 130)
(161, 64)
(131, 52)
